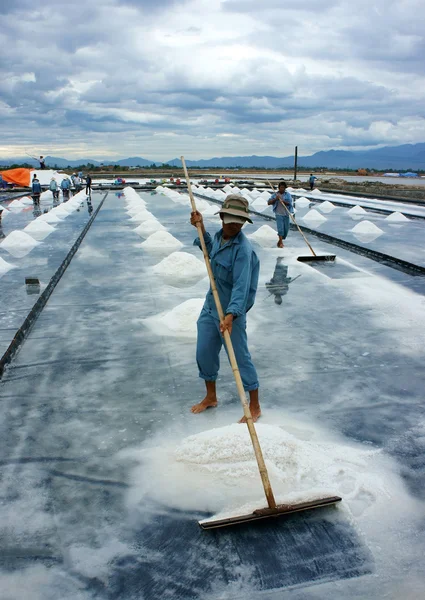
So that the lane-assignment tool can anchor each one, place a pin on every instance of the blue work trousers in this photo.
(282, 224)
(209, 345)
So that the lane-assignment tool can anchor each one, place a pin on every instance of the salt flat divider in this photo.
(32, 316)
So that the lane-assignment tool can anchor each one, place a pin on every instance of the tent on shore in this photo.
(23, 177)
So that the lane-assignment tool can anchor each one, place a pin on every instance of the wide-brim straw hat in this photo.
(237, 206)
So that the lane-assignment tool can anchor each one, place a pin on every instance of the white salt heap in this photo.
(366, 231)
(210, 212)
(39, 229)
(302, 202)
(26, 200)
(178, 322)
(5, 267)
(314, 217)
(215, 470)
(180, 269)
(149, 227)
(367, 227)
(326, 207)
(356, 210)
(265, 236)
(396, 217)
(260, 204)
(161, 242)
(141, 216)
(18, 243)
(49, 218)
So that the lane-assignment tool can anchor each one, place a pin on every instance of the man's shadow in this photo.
(279, 283)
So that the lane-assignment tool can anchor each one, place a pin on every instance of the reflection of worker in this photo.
(279, 283)
(236, 268)
(89, 205)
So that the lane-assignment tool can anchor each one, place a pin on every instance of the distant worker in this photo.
(53, 187)
(88, 184)
(80, 174)
(311, 181)
(65, 187)
(36, 190)
(282, 206)
(76, 182)
(42, 162)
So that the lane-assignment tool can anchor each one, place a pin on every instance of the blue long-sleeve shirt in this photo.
(286, 198)
(236, 268)
(36, 187)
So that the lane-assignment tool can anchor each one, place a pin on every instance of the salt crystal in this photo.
(180, 268)
(5, 267)
(357, 210)
(301, 202)
(161, 241)
(49, 217)
(397, 217)
(367, 227)
(149, 227)
(180, 321)
(18, 243)
(39, 229)
(314, 216)
(326, 207)
(265, 236)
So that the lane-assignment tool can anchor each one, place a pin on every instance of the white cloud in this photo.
(209, 77)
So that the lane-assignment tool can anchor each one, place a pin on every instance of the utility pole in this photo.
(295, 163)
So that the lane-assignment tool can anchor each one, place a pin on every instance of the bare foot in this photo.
(207, 402)
(255, 413)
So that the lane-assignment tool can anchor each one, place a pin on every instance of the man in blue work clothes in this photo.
(36, 190)
(311, 181)
(282, 206)
(236, 268)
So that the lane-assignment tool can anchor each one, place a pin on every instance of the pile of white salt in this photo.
(149, 227)
(161, 242)
(18, 243)
(180, 269)
(265, 236)
(39, 229)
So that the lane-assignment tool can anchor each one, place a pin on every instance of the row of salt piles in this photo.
(20, 243)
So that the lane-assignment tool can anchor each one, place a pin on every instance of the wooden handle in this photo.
(293, 220)
(233, 363)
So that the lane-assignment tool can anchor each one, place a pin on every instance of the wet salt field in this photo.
(103, 469)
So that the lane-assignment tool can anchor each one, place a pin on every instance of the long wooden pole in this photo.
(232, 358)
(295, 163)
(293, 220)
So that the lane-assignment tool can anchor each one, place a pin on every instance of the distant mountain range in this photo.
(405, 157)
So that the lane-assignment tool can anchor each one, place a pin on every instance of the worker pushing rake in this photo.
(226, 322)
(286, 208)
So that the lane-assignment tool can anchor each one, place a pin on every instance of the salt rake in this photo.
(272, 510)
(314, 257)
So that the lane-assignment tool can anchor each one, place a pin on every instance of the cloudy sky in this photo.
(204, 78)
